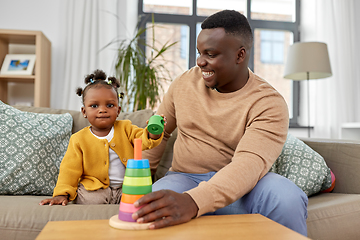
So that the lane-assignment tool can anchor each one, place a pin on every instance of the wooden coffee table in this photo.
(245, 226)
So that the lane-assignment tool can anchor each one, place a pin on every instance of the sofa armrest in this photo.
(343, 158)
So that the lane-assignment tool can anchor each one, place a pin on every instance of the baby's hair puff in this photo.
(96, 79)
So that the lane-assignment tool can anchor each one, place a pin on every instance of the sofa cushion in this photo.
(302, 165)
(331, 188)
(21, 217)
(334, 216)
(32, 146)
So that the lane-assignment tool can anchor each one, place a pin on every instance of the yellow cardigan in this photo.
(87, 157)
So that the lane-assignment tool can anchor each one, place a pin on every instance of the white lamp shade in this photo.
(307, 59)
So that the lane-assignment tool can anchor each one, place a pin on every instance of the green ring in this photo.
(136, 190)
(137, 172)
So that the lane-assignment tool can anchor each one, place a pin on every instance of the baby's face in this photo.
(101, 107)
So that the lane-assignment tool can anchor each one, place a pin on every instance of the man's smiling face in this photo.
(218, 59)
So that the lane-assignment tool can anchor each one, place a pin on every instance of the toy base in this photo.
(115, 222)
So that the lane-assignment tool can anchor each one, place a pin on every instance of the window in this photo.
(272, 46)
(275, 24)
(184, 41)
(269, 60)
(273, 10)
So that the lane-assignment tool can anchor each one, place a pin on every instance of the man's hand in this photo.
(166, 208)
(58, 200)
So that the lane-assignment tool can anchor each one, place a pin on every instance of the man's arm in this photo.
(166, 109)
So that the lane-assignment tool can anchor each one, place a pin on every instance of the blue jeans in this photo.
(274, 196)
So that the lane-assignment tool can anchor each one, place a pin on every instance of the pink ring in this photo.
(128, 207)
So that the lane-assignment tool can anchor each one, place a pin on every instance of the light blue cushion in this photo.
(303, 166)
(32, 146)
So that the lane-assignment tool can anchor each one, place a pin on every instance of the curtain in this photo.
(334, 100)
(88, 26)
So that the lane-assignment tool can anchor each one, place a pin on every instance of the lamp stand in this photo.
(308, 101)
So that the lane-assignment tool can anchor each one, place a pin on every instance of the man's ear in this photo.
(241, 55)
(119, 110)
(83, 112)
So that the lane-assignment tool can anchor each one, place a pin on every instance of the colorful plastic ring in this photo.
(127, 198)
(128, 207)
(136, 190)
(137, 181)
(125, 216)
(143, 163)
(137, 172)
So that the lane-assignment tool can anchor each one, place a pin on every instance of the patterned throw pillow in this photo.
(303, 166)
(32, 146)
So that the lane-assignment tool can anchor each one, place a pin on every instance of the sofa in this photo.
(334, 215)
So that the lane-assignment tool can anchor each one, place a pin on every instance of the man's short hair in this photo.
(233, 22)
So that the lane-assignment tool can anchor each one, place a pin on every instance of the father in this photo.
(231, 125)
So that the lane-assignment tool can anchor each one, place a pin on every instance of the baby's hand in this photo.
(164, 120)
(58, 200)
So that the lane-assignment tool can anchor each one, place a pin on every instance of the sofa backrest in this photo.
(138, 118)
(343, 158)
(79, 122)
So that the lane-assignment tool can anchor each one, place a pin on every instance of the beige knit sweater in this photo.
(239, 135)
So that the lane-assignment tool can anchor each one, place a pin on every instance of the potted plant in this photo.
(141, 76)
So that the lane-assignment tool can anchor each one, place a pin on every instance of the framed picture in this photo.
(18, 64)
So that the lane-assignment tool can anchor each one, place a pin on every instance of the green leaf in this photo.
(140, 77)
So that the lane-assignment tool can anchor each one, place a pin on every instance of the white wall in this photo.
(39, 15)
(49, 16)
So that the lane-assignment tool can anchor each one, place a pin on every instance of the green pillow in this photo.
(32, 146)
(303, 166)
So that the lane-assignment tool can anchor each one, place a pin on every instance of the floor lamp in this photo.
(305, 61)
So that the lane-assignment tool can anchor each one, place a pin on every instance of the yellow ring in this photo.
(137, 181)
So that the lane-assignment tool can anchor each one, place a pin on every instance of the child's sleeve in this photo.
(70, 171)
